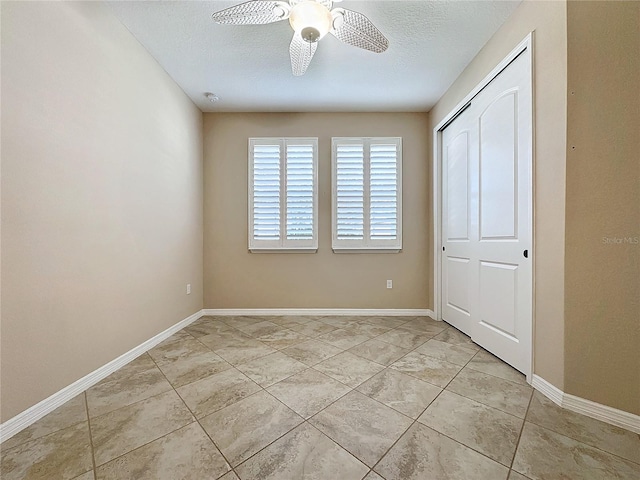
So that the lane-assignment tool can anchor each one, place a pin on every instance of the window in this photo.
(367, 194)
(283, 194)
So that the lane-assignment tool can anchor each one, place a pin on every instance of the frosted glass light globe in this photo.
(311, 20)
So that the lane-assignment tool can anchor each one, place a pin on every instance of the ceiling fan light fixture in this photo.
(311, 20)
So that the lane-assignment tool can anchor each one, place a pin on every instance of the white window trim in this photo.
(283, 245)
(366, 245)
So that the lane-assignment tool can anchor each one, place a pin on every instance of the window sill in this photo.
(284, 250)
(366, 250)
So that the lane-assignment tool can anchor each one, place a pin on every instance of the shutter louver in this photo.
(383, 210)
(350, 191)
(299, 192)
(266, 192)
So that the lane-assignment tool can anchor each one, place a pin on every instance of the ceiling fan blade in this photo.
(301, 53)
(258, 12)
(357, 30)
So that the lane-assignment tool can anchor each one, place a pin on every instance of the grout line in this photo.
(515, 451)
(581, 442)
(93, 455)
(196, 420)
(425, 409)
(351, 390)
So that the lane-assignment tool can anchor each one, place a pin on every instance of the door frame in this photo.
(525, 44)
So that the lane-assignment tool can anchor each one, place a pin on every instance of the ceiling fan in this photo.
(311, 20)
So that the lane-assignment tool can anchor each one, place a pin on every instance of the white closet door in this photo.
(457, 234)
(487, 267)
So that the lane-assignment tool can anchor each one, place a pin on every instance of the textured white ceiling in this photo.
(248, 67)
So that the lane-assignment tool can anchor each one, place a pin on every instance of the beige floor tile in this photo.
(283, 339)
(513, 475)
(340, 321)
(313, 329)
(446, 351)
(186, 454)
(423, 453)
(118, 391)
(138, 365)
(217, 391)
(400, 391)
(493, 391)
(260, 328)
(425, 325)
(379, 352)
(206, 326)
(176, 337)
(225, 339)
(128, 428)
(308, 392)
(302, 454)
(485, 429)
(487, 363)
(545, 455)
(404, 338)
(142, 429)
(391, 322)
(612, 439)
(86, 476)
(64, 454)
(169, 343)
(186, 361)
(429, 369)
(242, 320)
(348, 368)
(266, 371)
(244, 428)
(373, 476)
(290, 321)
(368, 329)
(229, 476)
(173, 348)
(456, 337)
(68, 414)
(343, 338)
(311, 352)
(361, 425)
(243, 351)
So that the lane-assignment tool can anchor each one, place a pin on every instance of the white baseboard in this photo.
(549, 390)
(21, 421)
(393, 312)
(606, 414)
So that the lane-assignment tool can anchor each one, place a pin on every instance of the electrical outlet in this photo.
(188, 289)
(389, 283)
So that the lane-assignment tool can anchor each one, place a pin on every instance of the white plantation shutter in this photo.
(367, 194)
(300, 192)
(266, 192)
(349, 186)
(283, 194)
(383, 193)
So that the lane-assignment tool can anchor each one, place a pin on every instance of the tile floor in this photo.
(325, 398)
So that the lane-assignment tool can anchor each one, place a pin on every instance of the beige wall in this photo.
(101, 197)
(235, 278)
(548, 20)
(602, 279)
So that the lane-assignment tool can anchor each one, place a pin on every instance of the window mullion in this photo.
(366, 180)
(283, 192)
